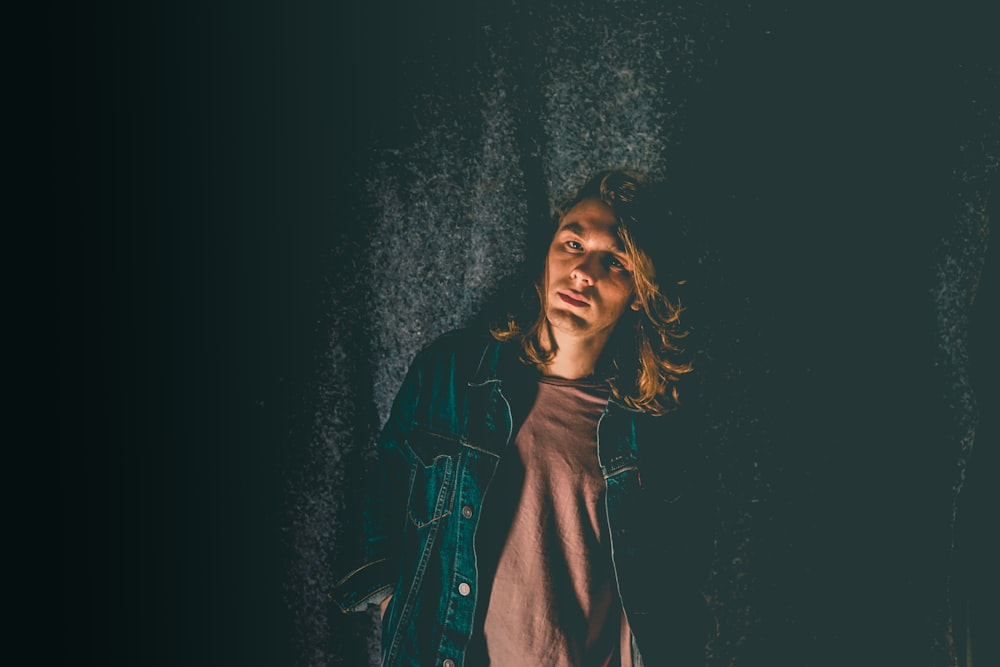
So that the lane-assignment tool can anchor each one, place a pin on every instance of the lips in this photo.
(579, 303)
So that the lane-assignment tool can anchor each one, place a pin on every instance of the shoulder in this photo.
(462, 350)
(457, 342)
(671, 441)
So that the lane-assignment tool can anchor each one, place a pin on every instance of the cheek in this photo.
(555, 266)
(625, 284)
(621, 295)
(628, 292)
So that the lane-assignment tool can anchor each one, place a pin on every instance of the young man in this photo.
(536, 494)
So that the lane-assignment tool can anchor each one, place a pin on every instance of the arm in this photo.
(371, 566)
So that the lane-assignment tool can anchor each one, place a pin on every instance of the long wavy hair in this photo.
(642, 360)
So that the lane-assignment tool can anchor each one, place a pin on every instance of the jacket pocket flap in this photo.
(428, 445)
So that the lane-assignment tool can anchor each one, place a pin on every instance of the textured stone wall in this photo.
(837, 167)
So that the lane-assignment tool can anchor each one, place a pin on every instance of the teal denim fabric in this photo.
(448, 428)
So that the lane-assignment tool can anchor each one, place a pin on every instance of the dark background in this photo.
(215, 164)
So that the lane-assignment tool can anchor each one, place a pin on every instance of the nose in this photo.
(584, 271)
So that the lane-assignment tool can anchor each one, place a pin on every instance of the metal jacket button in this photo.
(464, 589)
(448, 663)
(467, 512)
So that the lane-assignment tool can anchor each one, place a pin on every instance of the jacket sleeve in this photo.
(372, 562)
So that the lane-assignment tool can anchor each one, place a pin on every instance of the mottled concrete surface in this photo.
(838, 172)
(292, 200)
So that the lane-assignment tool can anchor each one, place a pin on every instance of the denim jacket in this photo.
(449, 426)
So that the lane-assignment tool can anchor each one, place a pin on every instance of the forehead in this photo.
(592, 218)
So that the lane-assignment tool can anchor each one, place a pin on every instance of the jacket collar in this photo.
(501, 360)
(498, 361)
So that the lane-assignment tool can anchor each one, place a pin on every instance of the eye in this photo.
(615, 264)
(574, 245)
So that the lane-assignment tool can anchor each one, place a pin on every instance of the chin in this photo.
(567, 321)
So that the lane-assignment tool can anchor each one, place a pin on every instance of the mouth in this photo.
(573, 301)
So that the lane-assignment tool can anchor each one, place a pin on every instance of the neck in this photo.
(576, 356)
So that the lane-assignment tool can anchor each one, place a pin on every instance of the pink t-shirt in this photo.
(554, 601)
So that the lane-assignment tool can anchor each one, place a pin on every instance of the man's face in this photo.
(588, 279)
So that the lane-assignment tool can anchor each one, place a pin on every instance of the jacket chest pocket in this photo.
(432, 480)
